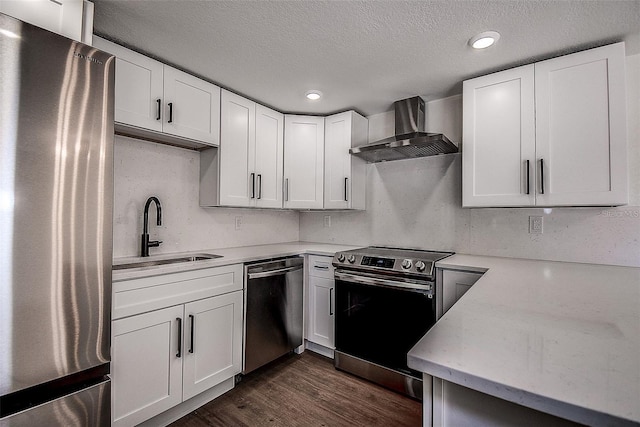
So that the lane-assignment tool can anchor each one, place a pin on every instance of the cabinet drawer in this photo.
(320, 266)
(152, 293)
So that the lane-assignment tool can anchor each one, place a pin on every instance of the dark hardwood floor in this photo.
(305, 390)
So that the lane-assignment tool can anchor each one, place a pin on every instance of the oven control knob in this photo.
(351, 259)
(406, 264)
(420, 266)
(341, 257)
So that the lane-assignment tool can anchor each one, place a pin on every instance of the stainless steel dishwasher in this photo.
(273, 310)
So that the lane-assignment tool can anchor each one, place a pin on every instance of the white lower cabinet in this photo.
(168, 355)
(147, 375)
(451, 285)
(213, 343)
(455, 405)
(320, 329)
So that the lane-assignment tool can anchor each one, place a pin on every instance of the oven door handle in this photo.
(385, 282)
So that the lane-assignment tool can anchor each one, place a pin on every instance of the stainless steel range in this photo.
(385, 302)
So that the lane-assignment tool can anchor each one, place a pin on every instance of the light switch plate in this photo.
(327, 221)
(238, 222)
(535, 225)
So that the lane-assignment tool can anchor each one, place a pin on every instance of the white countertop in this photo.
(563, 338)
(236, 255)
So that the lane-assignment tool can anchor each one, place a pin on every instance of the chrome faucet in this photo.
(146, 244)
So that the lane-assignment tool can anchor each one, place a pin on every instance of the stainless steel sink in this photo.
(151, 263)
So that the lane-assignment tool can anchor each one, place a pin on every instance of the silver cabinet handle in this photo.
(277, 272)
(528, 181)
(252, 177)
(346, 186)
(541, 176)
(330, 302)
(286, 189)
(259, 186)
(321, 267)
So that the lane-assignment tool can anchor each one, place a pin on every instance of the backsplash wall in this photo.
(417, 203)
(143, 169)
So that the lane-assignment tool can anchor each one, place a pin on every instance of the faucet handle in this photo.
(154, 243)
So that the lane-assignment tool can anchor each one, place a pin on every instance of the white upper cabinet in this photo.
(251, 153)
(151, 96)
(303, 162)
(581, 128)
(499, 139)
(69, 18)
(344, 174)
(192, 107)
(237, 137)
(139, 87)
(547, 134)
(269, 157)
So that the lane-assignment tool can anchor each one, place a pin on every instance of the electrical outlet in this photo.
(535, 225)
(327, 221)
(238, 222)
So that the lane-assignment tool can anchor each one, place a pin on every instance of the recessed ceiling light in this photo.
(484, 40)
(313, 95)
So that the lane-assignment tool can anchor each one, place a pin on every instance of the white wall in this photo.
(417, 203)
(143, 169)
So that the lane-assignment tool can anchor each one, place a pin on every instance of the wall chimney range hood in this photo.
(410, 140)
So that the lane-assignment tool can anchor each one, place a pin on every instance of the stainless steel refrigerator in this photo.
(56, 191)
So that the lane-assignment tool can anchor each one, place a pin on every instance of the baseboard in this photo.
(320, 349)
(186, 407)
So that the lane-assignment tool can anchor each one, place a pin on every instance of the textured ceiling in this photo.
(360, 54)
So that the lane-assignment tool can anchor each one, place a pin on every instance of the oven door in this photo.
(379, 320)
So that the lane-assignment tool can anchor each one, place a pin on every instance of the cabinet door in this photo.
(303, 162)
(60, 16)
(499, 139)
(581, 128)
(192, 107)
(321, 312)
(145, 369)
(213, 342)
(269, 158)
(454, 285)
(138, 91)
(337, 167)
(237, 139)
(344, 174)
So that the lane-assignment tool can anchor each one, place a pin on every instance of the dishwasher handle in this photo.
(271, 273)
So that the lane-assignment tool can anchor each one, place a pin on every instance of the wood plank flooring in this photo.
(305, 390)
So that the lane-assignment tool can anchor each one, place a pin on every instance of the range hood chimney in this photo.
(410, 139)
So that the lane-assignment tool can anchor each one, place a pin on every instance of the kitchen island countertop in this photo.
(562, 338)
